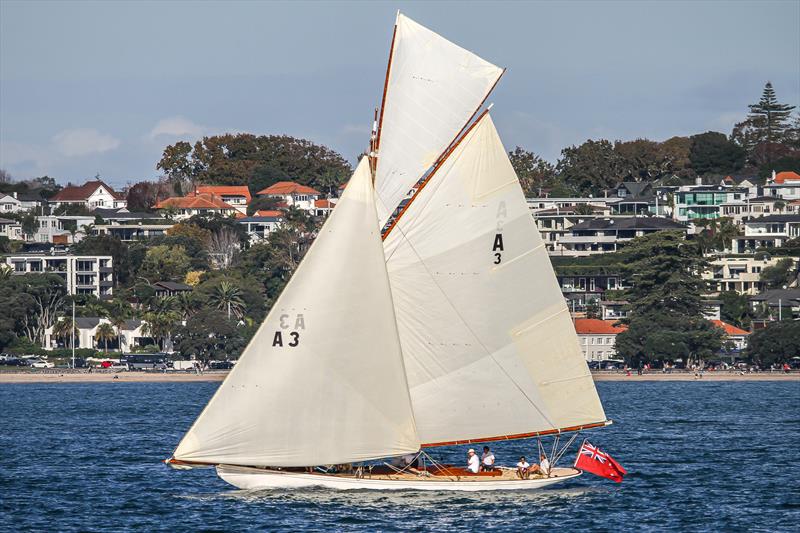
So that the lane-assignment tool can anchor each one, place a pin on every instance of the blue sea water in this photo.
(701, 457)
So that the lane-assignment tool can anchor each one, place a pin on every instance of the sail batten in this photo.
(484, 328)
(323, 379)
(432, 90)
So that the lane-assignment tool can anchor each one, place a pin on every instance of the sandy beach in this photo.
(50, 376)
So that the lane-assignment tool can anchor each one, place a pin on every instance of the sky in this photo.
(92, 88)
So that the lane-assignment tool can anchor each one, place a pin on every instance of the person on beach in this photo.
(473, 461)
(523, 468)
(487, 460)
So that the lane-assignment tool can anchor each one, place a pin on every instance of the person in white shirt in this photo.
(487, 460)
(522, 468)
(473, 461)
(544, 466)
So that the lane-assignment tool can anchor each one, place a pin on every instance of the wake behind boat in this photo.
(397, 319)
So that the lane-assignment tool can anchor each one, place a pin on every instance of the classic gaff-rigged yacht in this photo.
(440, 323)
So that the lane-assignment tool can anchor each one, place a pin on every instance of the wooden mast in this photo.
(376, 144)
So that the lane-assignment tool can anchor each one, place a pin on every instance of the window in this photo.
(591, 284)
(612, 283)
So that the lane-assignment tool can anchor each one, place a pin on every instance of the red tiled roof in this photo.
(200, 201)
(226, 190)
(729, 329)
(782, 177)
(323, 204)
(268, 213)
(75, 193)
(597, 326)
(288, 187)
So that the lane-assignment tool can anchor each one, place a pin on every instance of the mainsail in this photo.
(489, 346)
(433, 87)
(322, 381)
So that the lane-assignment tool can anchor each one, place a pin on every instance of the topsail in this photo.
(433, 87)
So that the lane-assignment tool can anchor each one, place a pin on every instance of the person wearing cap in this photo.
(473, 461)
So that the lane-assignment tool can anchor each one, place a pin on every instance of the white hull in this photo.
(255, 478)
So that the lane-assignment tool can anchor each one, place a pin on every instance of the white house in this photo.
(771, 230)
(237, 196)
(202, 204)
(293, 194)
(785, 185)
(14, 203)
(11, 229)
(92, 194)
(261, 224)
(597, 338)
(129, 336)
(62, 229)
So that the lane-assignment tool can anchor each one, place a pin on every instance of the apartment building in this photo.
(603, 235)
(767, 231)
(693, 202)
(83, 274)
(740, 274)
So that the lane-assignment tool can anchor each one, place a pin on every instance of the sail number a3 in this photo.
(497, 246)
(292, 337)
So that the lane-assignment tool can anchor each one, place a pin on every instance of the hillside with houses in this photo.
(189, 263)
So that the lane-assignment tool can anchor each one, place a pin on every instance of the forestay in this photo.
(322, 381)
(489, 346)
(433, 87)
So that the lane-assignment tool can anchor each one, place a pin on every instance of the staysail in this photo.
(433, 87)
(322, 381)
(489, 346)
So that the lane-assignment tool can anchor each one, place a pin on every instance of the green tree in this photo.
(591, 168)
(713, 153)
(593, 308)
(105, 332)
(209, 335)
(783, 272)
(161, 319)
(126, 259)
(735, 309)
(233, 159)
(163, 262)
(775, 344)
(228, 297)
(666, 307)
(534, 172)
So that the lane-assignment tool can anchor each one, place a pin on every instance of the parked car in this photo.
(41, 363)
(220, 365)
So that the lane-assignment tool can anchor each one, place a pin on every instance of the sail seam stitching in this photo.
(477, 338)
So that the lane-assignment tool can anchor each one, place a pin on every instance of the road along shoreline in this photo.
(82, 376)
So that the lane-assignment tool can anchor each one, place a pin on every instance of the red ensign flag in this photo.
(593, 459)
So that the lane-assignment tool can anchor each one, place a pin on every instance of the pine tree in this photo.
(774, 116)
(768, 122)
(665, 320)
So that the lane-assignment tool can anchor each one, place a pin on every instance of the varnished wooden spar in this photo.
(519, 435)
(432, 173)
(179, 463)
(377, 144)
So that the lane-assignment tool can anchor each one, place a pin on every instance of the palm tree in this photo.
(119, 312)
(64, 329)
(228, 296)
(105, 331)
(161, 319)
(186, 304)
